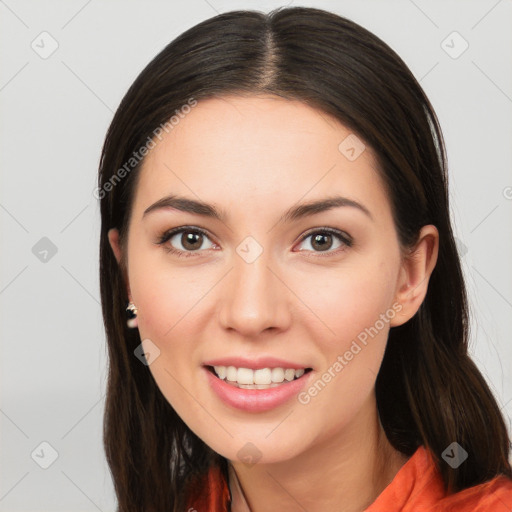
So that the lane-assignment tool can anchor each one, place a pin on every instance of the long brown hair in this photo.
(429, 392)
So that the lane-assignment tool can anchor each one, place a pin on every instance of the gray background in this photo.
(54, 115)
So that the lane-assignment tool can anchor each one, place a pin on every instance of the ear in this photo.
(417, 267)
(113, 238)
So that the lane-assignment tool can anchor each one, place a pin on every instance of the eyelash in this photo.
(345, 239)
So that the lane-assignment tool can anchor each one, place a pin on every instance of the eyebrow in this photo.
(295, 212)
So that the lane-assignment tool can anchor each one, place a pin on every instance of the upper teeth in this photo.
(263, 376)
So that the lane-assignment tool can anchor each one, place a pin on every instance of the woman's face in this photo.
(259, 287)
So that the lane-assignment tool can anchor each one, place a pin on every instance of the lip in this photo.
(255, 400)
(256, 363)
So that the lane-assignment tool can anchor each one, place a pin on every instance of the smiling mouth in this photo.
(263, 378)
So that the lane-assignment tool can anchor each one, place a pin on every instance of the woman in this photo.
(275, 223)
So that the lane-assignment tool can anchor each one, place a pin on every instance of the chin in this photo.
(259, 448)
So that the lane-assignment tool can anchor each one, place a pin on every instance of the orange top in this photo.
(417, 487)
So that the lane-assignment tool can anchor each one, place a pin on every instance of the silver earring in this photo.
(131, 311)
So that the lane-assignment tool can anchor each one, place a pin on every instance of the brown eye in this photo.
(191, 241)
(184, 241)
(322, 240)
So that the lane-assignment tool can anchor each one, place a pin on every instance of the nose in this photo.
(254, 299)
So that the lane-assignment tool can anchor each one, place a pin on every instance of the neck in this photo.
(344, 472)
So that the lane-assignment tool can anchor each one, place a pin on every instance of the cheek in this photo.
(174, 307)
(169, 303)
(168, 297)
(357, 309)
(348, 300)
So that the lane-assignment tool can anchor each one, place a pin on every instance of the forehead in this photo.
(258, 148)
